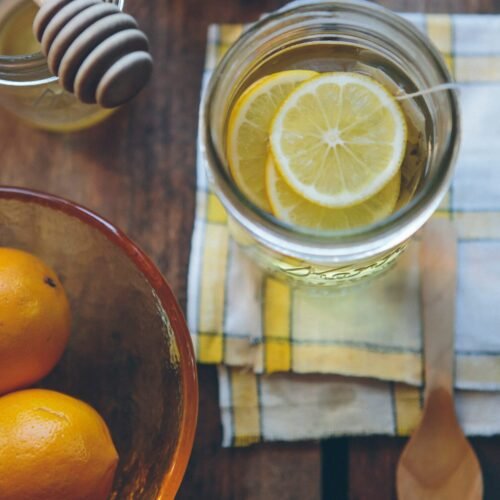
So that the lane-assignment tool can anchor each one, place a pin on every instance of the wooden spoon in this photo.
(97, 51)
(438, 462)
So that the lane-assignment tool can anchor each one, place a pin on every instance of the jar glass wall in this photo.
(27, 88)
(368, 39)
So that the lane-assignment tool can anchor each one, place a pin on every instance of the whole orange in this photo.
(35, 319)
(53, 447)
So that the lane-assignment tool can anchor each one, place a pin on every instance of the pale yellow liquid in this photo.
(326, 57)
(45, 106)
(16, 36)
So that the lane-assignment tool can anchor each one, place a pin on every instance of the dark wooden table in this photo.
(138, 170)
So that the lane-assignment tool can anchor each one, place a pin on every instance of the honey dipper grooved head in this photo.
(87, 42)
(115, 48)
(96, 50)
(59, 20)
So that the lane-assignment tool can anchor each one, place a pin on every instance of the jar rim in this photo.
(327, 244)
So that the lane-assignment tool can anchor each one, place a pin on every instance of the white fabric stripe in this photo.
(243, 318)
(194, 273)
(225, 404)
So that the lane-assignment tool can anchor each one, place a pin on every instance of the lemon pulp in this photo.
(248, 130)
(338, 139)
(290, 207)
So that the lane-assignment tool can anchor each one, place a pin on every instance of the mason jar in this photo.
(350, 35)
(28, 90)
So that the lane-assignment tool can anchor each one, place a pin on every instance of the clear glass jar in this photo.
(287, 39)
(27, 88)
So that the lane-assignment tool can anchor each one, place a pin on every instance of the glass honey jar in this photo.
(28, 90)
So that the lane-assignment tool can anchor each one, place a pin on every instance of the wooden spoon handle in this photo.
(438, 264)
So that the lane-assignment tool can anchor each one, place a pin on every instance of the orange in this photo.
(53, 447)
(34, 319)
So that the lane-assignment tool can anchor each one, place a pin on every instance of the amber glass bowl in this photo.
(130, 355)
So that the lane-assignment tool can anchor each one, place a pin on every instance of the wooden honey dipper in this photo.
(95, 49)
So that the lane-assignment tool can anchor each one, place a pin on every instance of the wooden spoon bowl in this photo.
(439, 462)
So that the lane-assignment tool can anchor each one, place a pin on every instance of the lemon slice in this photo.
(338, 139)
(248, 130)
(288, 206)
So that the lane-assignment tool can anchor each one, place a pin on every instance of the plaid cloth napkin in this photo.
(261, 330)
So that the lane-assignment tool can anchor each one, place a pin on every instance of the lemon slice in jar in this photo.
(338, 139)
(290, 207)
(248, 130)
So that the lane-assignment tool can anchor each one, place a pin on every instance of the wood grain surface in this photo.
(138, 170)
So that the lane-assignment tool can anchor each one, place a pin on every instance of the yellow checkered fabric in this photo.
(266, 333)
(291, 407)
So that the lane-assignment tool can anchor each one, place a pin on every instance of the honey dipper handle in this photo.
(438, 264)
